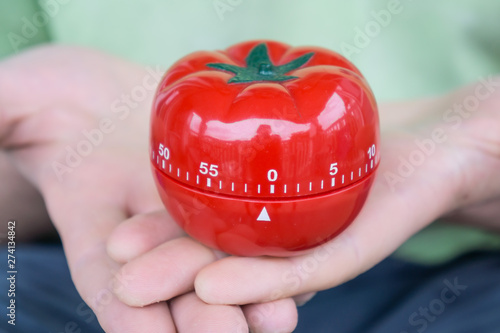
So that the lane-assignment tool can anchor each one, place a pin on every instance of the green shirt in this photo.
(405, 48)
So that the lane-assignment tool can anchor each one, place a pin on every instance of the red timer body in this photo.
(264, 149)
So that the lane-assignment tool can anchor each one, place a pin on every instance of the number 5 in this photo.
(333, 169)
(213, 170)
(203, 168)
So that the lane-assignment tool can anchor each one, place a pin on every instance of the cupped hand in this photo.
(438, 156)
(75, 123)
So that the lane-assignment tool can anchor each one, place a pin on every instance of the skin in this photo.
(121, 243)
(48, 97)
(460, 176)
(458, 181)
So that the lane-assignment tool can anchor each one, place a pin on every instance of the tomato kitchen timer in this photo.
(264, 149)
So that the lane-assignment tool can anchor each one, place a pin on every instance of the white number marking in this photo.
(211, 169)
(272, 175)
(333, 169)
(164, 151)
(371, 151)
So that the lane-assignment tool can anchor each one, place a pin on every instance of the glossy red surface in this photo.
(305, 149)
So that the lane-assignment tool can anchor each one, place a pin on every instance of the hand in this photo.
(439, 156)
(157, 270)
(75, 123)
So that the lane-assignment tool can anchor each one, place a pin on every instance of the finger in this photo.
(98, 279)
(388, 218)
(84, 230)
(275, 316)
(302, 299)
(192, 315)
(140, 234)
(164, 272)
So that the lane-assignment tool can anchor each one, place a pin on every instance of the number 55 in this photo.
(211, 169)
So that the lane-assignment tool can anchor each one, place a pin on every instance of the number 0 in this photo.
(272, 175)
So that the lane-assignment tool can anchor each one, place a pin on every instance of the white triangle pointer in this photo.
(263, 216)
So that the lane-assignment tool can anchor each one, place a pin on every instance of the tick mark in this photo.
(284, 189)
(178, 172)
(258, 188)
(298, 188)
(163, 164)
(209, 182)
(220, 184)
(310, 186)
(187, 175)
(322, 184)
(359, 172)
(170, 168)
(271, 189)
(352, 175)
(342, 179)
(371, 164)
(333, 182)
(197, 179)
(232, 187)
(246, 187)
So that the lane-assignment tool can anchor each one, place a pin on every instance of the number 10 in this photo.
(371, 151)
